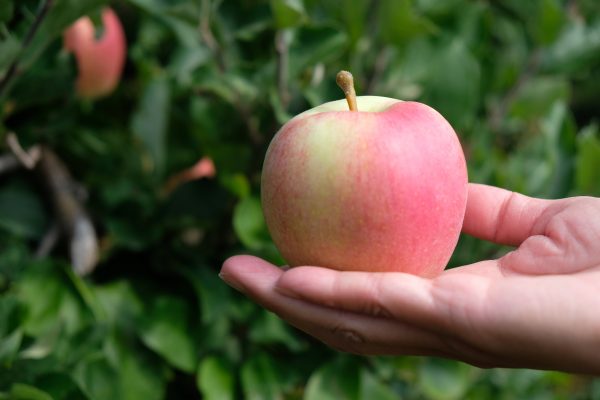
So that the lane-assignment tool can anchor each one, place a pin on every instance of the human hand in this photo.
(535, 307)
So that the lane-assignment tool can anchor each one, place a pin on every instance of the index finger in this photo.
(501, 216)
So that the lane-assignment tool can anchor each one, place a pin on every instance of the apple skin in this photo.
(382, 189)
(100, 60)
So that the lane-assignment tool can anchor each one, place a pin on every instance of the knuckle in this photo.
(376, 306)
(468, 353)
(347, 340)
(379, 310)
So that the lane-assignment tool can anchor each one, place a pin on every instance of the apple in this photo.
(380, 187)
(204, 168)
(101, 59)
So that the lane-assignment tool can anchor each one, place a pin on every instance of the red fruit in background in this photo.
(100, 59)
(204, 168)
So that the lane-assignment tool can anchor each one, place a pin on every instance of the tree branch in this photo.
(12, 69)
(70, 212)
(27, 158)
(207, 36)
(281, 46)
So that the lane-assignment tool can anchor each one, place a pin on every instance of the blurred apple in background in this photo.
(204, 168)
(379, 187)
(100, 58)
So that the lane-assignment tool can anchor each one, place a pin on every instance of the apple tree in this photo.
(118, 208)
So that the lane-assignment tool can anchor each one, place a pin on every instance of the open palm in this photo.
(535, 307)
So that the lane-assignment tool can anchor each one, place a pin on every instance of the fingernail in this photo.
(236, 285)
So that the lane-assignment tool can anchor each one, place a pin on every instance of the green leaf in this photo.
(399, 22)
(21, 212)
(10, 345)
(119, 302)
(281, 113)
(180, 18)
(186, 61)
(443, 379)
(59, 385)
(337, 380)
(547, 157)
(21, 391)
(44, 344)
(354, 18)
(236, 183)
(9, 49)
(537, 96)
(215, 379)
(577, 47)
(270, 329)
(151, 118)
(69, 348)
(261, 379)
(453, 83)
(316, 44)
(372, 388)
(141, 375)
(97, 378)
(440, 8)
(249, 223)
(165, 329)
(10, 314)
(50, 301)
(213, 295)
(547, 21)
(288, 13)
(6, 12)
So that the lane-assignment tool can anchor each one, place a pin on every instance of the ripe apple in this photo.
(100, 60)
(383, 188)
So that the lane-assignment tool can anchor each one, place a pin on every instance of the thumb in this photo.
(537, 255)
(565, 242)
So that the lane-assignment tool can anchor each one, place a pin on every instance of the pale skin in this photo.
(536, 307)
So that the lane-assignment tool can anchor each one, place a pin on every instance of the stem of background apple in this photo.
(345, 81)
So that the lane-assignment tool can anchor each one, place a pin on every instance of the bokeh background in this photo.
(519, 81)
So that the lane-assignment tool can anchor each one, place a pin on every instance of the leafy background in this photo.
(519, 80)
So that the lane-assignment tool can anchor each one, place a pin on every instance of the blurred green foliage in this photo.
(519, 80)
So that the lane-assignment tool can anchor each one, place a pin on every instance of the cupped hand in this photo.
(537, 307)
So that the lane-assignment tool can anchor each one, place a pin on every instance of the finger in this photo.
(449, 306)
(400, 296)
(569, 242)
(340, 329)
(501, 216)
(251, 275)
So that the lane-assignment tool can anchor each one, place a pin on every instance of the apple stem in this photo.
(345, 81)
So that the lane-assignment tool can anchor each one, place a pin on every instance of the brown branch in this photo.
(250, 121)
(379, 67)
(207, 35)
(18, 157)
(71, 214)
(13, 68)
(573, 11)
(282, 48)
(211, 42)
(48, 242)
(27, 158)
